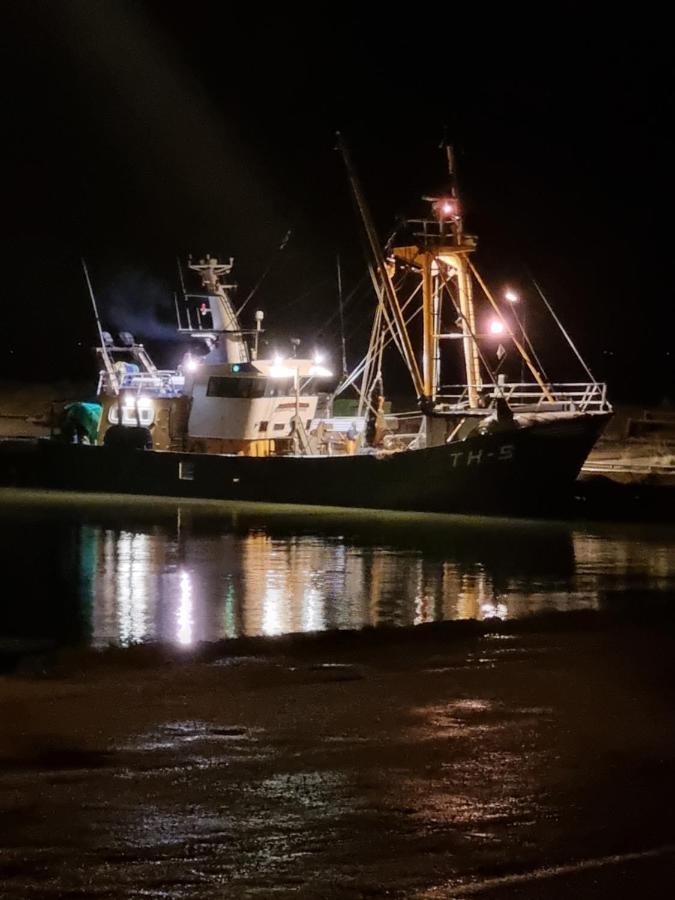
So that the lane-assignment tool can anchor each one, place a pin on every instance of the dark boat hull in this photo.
(509, 472)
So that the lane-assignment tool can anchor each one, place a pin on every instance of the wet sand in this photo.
(535, 760)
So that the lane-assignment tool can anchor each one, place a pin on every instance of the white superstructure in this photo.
(222, 401)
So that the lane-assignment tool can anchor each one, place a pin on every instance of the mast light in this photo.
(446, 208)
(511, 296)
(497, 326)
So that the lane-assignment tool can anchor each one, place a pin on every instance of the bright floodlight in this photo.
(191, 364)
(497, 326)
(320, 372)
(318, 358)
(511, 296)
(279, 370)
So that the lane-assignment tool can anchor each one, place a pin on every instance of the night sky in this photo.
(136, 132)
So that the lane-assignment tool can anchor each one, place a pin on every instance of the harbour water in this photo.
(82, 571)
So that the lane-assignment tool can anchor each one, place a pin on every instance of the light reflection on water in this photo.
(127, 574)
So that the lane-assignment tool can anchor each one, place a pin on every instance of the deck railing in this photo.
(569, 397)
(163, 382)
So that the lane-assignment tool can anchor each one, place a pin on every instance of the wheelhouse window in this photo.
(248, 388)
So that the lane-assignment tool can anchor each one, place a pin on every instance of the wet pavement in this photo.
(424, 765)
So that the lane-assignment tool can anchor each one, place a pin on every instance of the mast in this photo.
(463, 279)
(464, 269)
(440, 255)
(427, 325)
(458, 263)
(230, 345)
(436, 312)
(468, 316)
(110, 370)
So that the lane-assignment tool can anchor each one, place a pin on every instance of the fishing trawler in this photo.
(227, 424)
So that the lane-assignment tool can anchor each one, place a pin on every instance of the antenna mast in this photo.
(104, 350)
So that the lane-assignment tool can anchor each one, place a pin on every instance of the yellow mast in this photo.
(443, 253)
(465, 291)
(448, 260)
(428, 345)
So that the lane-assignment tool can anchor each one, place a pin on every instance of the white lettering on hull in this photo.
(506, 453)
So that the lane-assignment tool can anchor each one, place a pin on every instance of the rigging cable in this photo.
(562, 328)
(254, 290)
(385, 341)
(523, 352)
(379, 260)
(529, 343)
(342, 318)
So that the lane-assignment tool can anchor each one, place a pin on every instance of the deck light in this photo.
(320, 372)
(279, 370)
(191, 364)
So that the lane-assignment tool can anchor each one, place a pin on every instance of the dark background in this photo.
(136, 132)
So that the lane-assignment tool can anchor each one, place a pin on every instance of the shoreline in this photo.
(639, 611)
